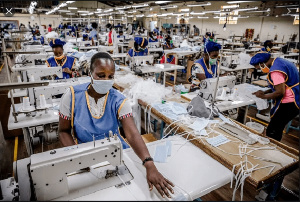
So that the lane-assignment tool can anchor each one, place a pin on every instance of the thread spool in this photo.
(19, 79)
(223, 93)
(42, 101)
(31, 78)
(26, 103)
(234, 95)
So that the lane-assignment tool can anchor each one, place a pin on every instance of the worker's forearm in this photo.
(66, 139)
(136, 142)
(268, 91)
(273, 95)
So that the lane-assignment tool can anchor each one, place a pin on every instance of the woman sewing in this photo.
(208, 66)
(168, 45)
(139, 47)
(59, 59)
(153, 36)
(93, 109)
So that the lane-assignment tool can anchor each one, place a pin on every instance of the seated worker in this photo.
(168, 45)
(139, 48)
(59, 59)
(121, 35)
(207, 66)
(153, 36)
(283, 79)
(97, 108)
(94, 34)
(209, 37)
(267, 46)
(87, 38)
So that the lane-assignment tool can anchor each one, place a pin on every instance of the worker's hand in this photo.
(154, 177)
(67, 70)
(259, 94)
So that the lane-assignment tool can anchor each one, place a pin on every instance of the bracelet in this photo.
(147, 159)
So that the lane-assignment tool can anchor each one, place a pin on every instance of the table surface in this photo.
(239, 67)
(199, 174)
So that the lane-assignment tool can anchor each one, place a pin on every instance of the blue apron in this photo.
(85, 125)
(151, 40)
(68, 63)
(137, 53)
(208, 73)
(292, 80)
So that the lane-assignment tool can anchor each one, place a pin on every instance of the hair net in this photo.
(212, 46)
(260, 58)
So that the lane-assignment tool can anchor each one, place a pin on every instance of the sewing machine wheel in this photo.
(203, 84)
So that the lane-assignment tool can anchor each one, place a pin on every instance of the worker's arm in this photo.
(64, 132)
(279, 92)
(200, 76)
(139, 147)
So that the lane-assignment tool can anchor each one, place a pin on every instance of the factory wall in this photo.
(54, 20)
(266, 27)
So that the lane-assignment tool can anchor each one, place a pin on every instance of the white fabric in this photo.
(97, 109)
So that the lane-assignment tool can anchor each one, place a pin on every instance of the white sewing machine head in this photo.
(230, 61)
(32, 59)
(153, 44)
(207, 86)
(55, 175)
(37, 73)
(141, 60)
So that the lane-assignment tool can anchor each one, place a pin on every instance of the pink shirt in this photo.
(279, 78)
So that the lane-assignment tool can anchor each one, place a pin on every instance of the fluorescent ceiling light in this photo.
(162, 15)
(64, 11)
(195, 5)
(203, 17)
(69, 2)
(185, 9)
(246, 9)
(83, 11)
(237, 2)
(83, 14)
(193, 13)
(268, 10)
(109, 10)
(70, 13)
(72, 8)
(230, 6)
(130, 16)
(211, 12)
(62, 5)
(166, 7)
(283, 6)
(161, 2)
(121, 8)
(133, 11)
(91, 13)
(142, 15)
(138, 6)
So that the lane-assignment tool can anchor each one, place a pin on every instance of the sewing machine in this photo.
(207, 86)
(153, 44)
(140, 60)
(230, 61)
(32, 59)
(71, 172)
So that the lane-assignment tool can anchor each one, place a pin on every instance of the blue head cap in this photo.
(56, 42)
(261, 57)
(141, 41)
(211, 46)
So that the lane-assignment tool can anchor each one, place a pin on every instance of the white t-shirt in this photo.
(97, 109)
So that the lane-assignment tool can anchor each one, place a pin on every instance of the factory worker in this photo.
(267, 46)
(59, 59)
(168, 45)
(109, 29)
(207, 66)
(140, 47)
(121, 34)
(50, 28)
(283, 79)
(153, 36)
(196, 30)
(85, 37)
(129, 29)
(94, 34)
(93, 109)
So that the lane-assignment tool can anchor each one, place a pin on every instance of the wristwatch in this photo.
(147, 159)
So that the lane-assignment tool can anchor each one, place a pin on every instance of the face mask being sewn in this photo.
(102, 86)
(217, 141)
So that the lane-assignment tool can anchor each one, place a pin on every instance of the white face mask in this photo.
(102, 86)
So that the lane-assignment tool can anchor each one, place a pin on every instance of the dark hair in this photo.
(120, 32)
(109, 26)
(100, 55)
(94, 25)
(56, 46)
